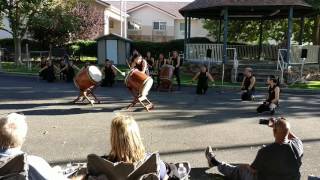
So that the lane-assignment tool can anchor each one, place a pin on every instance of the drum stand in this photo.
(86, 94)
(143, 100)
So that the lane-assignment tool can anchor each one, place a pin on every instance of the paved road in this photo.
(180, 127)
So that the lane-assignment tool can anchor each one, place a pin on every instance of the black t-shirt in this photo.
(279, 161)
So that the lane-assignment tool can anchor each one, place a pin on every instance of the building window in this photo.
(182, 28)
(134, 26)
(111, 24)
(161, 26)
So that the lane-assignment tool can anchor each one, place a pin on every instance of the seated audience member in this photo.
(49, 71)
(203, 76)
(248, 85)
(109, 74)
(127, 146)
(280, 160)
(13, 131)
(273, 96)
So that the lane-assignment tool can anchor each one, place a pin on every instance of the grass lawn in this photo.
(310, 85)
(185, 78)
(12, 67)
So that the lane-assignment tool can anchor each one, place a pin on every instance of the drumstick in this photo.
(122, 73)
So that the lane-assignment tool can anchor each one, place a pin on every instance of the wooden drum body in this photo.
(87, 78)
(139, 82)
(166, 73)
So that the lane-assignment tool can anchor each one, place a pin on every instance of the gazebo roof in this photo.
(247, 9)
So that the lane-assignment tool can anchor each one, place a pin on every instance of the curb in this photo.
(227, 87)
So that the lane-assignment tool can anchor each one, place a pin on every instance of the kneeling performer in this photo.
(248, 85)
(273, 96)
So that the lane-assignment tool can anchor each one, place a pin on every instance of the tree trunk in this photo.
(316, 31)
(17, 50)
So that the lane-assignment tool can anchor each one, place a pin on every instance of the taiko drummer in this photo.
(137, 62)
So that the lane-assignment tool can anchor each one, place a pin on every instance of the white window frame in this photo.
(183, 26)
(160, 24)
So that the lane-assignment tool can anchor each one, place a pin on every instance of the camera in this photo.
(269, 121)
(264, 121)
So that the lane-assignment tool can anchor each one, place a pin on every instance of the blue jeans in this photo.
(236, 173)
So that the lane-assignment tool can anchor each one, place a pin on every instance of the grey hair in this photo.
(13, 130)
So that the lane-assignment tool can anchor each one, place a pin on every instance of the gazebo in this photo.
(260, 10)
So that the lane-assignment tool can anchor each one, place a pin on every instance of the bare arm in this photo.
(277, 95)
(178, 62)
(114, 70)
(252, 82)
(76, 67)
(210, 77)
(43, 68)
(144, 66)
(242, 84)
(196, 76)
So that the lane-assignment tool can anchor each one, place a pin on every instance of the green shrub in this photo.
(83, 48)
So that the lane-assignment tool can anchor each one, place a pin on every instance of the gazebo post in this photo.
(260, 37)
(219, 35)
(290, 18)
(301, 31)
(225, 40)
(185, 37)
(189, 29)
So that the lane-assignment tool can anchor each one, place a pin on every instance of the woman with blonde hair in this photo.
(127, 146)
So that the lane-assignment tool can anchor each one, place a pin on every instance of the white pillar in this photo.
(121, 20)
(106, 23)
(125, 20)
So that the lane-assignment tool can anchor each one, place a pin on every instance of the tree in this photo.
(19, 13)
(53, 25)
(316, 24)
(91, 20)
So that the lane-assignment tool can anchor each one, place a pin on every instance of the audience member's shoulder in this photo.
(37, 161)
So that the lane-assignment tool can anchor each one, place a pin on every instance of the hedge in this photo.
(83, 48)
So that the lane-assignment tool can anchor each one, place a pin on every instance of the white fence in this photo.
(213, 53)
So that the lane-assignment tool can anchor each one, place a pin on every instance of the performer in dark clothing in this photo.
(203, 76)
(109, 74)
(63, 74)
(273, 97)
(248, 85)
(49, 71)
(160, 62)
(43, 63)
(137, 62)
(70, 70)
(150, 61)
(175, 60)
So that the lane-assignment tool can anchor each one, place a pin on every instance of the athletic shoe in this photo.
(174, 173)
(211, 157)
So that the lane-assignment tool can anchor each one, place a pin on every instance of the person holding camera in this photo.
(280, 160)
(273, 96)
(248, 85)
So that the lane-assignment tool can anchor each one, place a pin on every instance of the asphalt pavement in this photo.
(180, 127)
